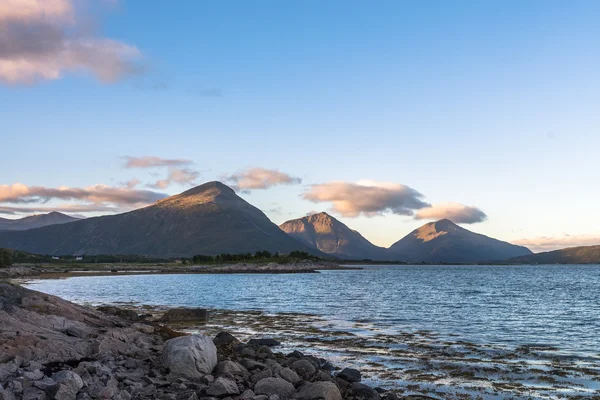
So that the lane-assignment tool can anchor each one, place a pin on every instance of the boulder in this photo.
(350, 375)
(225, 339)
(190, 356)
(364, 392)
(230, 368)
(187, 315)
(275, 386)
(304, 368)
(319, 390)
(69, 383)
(289, 375)
(222, 387)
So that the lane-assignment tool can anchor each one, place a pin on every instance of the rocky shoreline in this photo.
(53, 349)
(51, 271)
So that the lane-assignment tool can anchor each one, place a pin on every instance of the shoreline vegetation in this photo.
(54, 349)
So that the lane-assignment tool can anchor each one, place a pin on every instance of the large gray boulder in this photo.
(190, 356)
(222, 387)
(69, 383)
(275, 386)
(319, 390)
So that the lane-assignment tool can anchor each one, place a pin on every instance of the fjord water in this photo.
(551, 305)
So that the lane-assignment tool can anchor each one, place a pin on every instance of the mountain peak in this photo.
(210, 192)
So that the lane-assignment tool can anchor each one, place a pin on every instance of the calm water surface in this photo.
(513, 305)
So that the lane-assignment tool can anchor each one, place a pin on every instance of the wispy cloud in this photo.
(455, 212)
(549, 243)
(182, 176)
(367, 198)
(91, 198)
(154, 162)
(41, 40)
(64, 208)
(259, 178)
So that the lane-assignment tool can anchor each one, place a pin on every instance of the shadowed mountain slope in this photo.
(327, 234)
(571, 255)
(35, 221)
(208, 219)
(444, 241)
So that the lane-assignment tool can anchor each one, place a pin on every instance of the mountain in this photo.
(35, 221)
(444, 241)
(209, 219)
(327, 234)
(571, 255)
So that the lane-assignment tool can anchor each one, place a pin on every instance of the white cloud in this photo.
(95, 198)
(367, 198)
(259, 178)
(455, 212)
(154, 162)
(43, 39)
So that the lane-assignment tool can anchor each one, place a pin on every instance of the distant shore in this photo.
(57, 271)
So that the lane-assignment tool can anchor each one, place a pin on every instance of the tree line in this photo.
(249, 257)
(5, 258)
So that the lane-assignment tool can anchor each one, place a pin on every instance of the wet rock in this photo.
(350, 375)
(275, 386)
(190, 356)
(69, 383)
(187, 315)
(364, 392)
(225, 339)
(304, 368)
(264, 342)
(222, 387)
(319, 390)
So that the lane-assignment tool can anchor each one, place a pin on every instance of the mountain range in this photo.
(434, 242)
(209, 219)
(571, 255)
(212, 219)
(35, 221)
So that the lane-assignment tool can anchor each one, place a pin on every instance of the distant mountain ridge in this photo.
(209, 219)
(35, 221)
(329, 235)
(571, 255)
(444, 241)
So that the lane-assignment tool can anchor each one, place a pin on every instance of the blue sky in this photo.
(487, 104)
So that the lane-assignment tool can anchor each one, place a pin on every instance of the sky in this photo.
(386, 114)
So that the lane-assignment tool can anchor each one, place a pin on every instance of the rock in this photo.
(364, 392)
(264, 342)
(34, 394)
(247, 395)
(129, 315)
(304, 368)
(69, 383)
(225, 339)
(259, 375)
(278, 386)
(350, 375)
(324, 376)
(222, 387)
(7, 395)
(33, 375)
(289, 375)
(231, 368)
(190, 356)
(48, 385)
(319, 390)
(188, 315)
